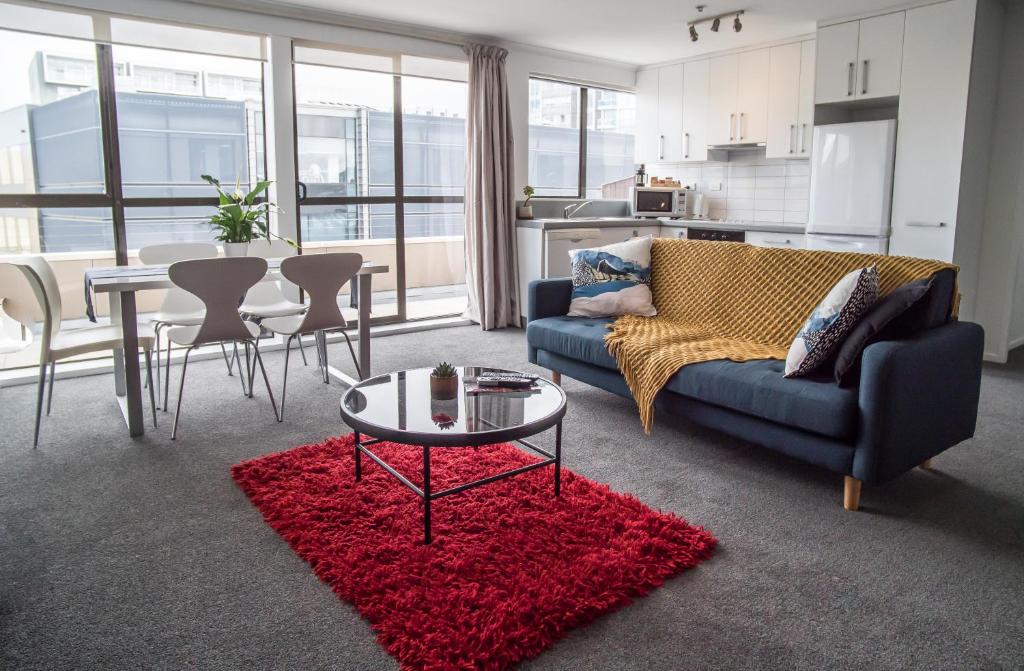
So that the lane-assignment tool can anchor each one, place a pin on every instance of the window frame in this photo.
(584, 102)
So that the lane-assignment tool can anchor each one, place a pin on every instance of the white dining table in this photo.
(120, 284)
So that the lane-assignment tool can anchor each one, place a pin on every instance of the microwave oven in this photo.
(659, 201)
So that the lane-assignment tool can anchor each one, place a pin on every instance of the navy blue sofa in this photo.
(916, 397)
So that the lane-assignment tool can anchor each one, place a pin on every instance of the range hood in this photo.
(743, 146)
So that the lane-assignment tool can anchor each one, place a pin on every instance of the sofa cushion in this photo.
(758, 388)
(580, 338)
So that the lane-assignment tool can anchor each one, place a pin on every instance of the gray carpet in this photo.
(144, 554)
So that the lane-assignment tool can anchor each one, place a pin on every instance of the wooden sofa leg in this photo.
(556, 377)
(851, 493)
(926, 464)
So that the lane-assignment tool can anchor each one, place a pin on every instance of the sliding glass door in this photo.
(387, 186)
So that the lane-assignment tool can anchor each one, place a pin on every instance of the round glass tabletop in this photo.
(400, 407)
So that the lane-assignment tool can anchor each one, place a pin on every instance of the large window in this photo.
(581, 138)
(391, 191)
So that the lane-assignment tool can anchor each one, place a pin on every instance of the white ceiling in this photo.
(630, 31)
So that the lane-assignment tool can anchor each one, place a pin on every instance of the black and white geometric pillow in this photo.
(830, 322)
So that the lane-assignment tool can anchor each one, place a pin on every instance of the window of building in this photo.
(578, 131)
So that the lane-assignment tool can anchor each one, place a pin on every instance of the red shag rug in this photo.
(511, 568)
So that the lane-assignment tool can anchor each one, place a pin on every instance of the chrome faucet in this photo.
(571, 210)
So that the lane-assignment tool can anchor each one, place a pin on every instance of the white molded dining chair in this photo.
(179, 308)
(266, 299)
(220, 285)
(321, 276)
(55, 343)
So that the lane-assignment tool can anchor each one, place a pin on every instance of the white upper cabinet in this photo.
(695, 111)
(783, 102)
(859, 60)
(880, 56)
(752, 96)
(670, 112)
(738, 98)
(805, 108)
(790, 100)
(647, 137)
(659, 115)
(723, 74)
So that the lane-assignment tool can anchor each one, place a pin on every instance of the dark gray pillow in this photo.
(893, 316)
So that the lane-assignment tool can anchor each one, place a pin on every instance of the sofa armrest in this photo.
(918, 397)
(548, 298)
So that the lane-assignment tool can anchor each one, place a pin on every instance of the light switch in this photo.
(715, 186)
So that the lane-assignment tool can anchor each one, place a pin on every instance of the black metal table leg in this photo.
(426, 495)
(558, 459)
(359, 457)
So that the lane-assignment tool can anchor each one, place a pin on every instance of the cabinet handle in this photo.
(661, 146)
(769, 241)
(741, 125)
(732, 123)
(803, 134)
(849, 79)
(864, 78)
(686, 146)
(792, 132)
(927, 224)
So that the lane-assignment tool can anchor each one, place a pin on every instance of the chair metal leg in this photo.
(322, 340)
(302, 350)
(181, 391)
(39, 402)
(227, 359)
(156, 331)
(149, 383)
(352, 351)
(266, 381)
(248, 370)
(49, 393)
(236, 360)
(167, 374)
(284, 387)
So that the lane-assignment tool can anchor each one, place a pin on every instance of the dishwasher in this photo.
(557, 244)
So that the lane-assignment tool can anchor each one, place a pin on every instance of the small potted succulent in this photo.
(444, 382)
(525, 211)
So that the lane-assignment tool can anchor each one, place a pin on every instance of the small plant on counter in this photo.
(528, 191)
(525, 211)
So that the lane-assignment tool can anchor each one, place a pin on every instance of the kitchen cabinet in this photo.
(647, 136)
(860, 60)
(738, 98)
(786, 240)
(932, 119)
(695, 110)
(611, 234)
(790, 100)
(659, 115)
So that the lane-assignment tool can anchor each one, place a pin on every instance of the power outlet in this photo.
(715, 186)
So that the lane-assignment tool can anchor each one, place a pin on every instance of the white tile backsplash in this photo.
(753, 188)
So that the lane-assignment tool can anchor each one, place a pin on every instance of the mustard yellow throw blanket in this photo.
(729, 300)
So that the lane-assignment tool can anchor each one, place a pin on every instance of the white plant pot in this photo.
(236, 248)
(524, 212)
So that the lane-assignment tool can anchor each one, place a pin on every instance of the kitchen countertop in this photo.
(626, 222)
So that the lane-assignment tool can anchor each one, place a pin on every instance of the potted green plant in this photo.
(525, 211)
(444, 382)
(240, 219)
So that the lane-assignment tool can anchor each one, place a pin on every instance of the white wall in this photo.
(1000, 277)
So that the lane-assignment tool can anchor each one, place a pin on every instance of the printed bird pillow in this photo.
(612, 280)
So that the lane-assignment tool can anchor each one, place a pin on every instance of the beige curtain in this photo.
(492, 275)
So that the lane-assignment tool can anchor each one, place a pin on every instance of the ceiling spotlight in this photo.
(715, 23)
(693, 34)
(736, 25)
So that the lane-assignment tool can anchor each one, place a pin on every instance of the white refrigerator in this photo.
(851, 186)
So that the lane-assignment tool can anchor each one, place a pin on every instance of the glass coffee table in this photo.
(398, 407)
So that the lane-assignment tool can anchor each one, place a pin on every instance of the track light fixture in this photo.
(716, 22)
